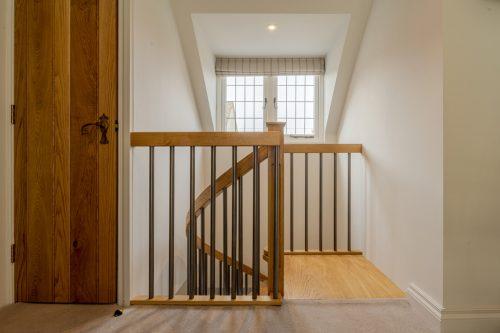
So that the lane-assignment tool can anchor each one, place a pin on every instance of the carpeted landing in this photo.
(385, 316)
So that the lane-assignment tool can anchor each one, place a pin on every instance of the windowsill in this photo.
(295, 136)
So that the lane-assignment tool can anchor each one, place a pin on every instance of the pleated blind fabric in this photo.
(270, 66)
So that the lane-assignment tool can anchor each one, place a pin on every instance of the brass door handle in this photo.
(102, 124)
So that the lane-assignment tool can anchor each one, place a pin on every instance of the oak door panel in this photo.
(108, 104)
(84, 150)
(65, 181)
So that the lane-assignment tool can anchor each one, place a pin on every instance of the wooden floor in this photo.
(336, 277)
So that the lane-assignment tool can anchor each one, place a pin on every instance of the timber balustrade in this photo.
(320, 149)
(231, 274)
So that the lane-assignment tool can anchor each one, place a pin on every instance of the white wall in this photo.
(163, 101)
(6, 90)
(472, 163)
(394, 108)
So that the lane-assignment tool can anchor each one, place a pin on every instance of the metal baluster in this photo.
(202, 263)
(240, 235)
(151, 222)
(234, 221)
(246, 284)
(256, 224)
(349, 202)
(291, 201)
(192, 222)
(306, 202)
(224, 246)
(171, 216)
(276, 223)
(212, 221)
(321, 201)
(335, 202)
(220, 277)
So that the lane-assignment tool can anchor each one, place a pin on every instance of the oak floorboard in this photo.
(336, 277)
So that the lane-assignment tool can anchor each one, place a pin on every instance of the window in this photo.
(244, 104)
(244, 107)
(296, 101)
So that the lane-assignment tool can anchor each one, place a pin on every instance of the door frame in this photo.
(7, 160)
(125, 101)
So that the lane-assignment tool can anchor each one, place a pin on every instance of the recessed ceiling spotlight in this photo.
(271, 27)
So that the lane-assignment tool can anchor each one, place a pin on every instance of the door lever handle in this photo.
(102, 124)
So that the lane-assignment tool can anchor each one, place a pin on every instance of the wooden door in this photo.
(65, 178)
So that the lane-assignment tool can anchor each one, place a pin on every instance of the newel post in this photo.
(272, 176)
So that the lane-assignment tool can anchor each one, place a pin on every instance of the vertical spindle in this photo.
(291, 202)
(212, 221)
(151, 222)
(349, 202)
(306, 202)
(234, 221)
(240, 235)
(321, 201)
(276, 230)
(224, 245)
(335, 202)
(256, 223)
(192, 222)
(171, 216)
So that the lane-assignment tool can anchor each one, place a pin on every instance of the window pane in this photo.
(249, 93)
(230, 81)
(300, 123)
(230, 93)
(259, 112)
(249, 125)
(296, 95)
(309, 93)
(240, 110)
(290, 93)
(246, 104)
(299, 108)
(240, 80)
(239, 125)
(281, 113)
(310, 110)
(249, 113)
(290, 110)
(259, 93)
(240, 93)
(300, 93)
(281, 93)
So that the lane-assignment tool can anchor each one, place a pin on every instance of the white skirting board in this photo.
(441, 313)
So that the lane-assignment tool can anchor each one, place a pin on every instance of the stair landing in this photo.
(336, 277)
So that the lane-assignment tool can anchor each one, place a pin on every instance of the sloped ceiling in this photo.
(200, 45)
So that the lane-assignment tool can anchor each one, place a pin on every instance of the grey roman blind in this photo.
(270, 66)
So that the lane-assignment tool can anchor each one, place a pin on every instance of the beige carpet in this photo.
(383, 316)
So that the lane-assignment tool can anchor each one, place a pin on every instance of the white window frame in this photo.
(270, 112)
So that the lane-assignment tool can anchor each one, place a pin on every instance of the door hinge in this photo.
(12, 114)
(13, 253)
(116, 126)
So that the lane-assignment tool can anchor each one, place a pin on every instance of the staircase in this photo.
(219, 275)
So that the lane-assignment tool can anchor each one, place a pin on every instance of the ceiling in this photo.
(247, 34)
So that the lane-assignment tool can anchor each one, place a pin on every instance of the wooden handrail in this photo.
(203, 139)
(323, 148)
